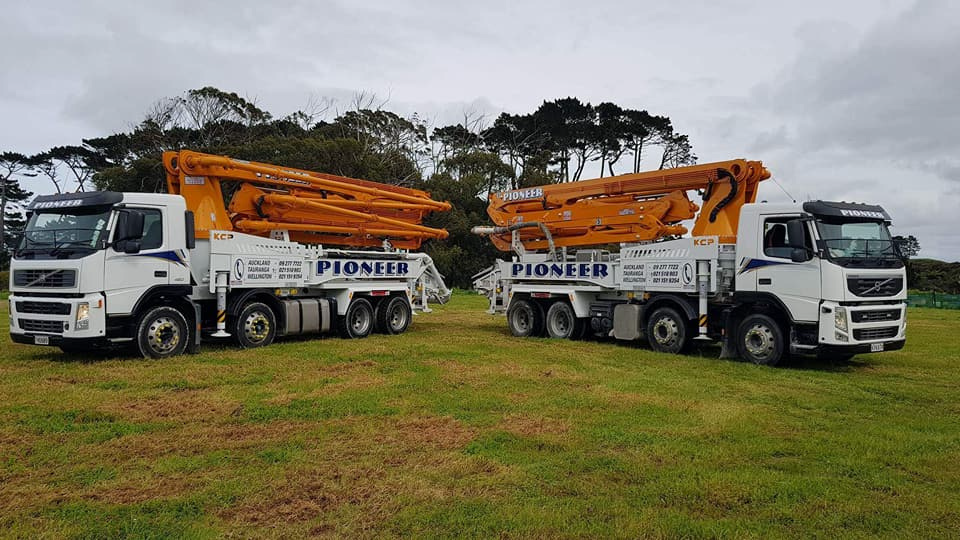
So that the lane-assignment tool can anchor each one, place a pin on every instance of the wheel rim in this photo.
(759, 342)
(398, 316)
(560, 323)
(359, 321)
(522, 319)
(256, 327)
(666, 332)
(163, 335)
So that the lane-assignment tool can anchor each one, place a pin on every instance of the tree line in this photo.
(461, 163)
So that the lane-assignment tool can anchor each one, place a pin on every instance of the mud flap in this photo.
(193, 347)
(727, 349)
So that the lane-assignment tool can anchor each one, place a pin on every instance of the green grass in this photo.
(457, 429)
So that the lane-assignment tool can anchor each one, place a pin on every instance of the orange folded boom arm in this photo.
(313, 207)
(631, 207)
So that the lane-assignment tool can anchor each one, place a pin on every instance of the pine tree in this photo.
(12, 200)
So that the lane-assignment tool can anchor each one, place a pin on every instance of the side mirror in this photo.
(799, 255)
(796, 234)
(129, 226)
(190, 227)
(131, 246)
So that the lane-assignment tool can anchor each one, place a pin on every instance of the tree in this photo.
(12, 198)
(611, 134)
(575, 134)
(909, 246)
(80, 161)
(642, 130)
(677, 152)
(382, 134)
(451, 141)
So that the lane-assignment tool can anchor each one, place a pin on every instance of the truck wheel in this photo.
(358, 321)
(162, 332)
(562, 322)
(393, 315)
(525, 318)
(667, 331)
(760, 340)
(255, 326)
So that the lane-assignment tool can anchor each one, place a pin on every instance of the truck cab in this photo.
(88, 262)
(829, 273)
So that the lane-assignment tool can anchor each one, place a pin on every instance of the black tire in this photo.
(358, 322)
(393, 315)
(255, 326)
(760, 340)
(162, 332)
(667, 331)
(561, 322)
(525, 318)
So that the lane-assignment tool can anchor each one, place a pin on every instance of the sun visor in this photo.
(845, 210)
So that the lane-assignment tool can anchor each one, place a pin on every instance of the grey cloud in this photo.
(893, 93)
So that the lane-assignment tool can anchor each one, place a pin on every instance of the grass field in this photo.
(455, 428)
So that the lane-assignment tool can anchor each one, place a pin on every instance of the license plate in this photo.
(41, 340)
(876, 347)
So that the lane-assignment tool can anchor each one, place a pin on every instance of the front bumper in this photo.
(855, 328)
(54, 320)
(863, 348)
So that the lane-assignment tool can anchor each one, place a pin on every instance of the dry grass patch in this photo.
(181, 407)
(534, 425)
(145, 489)
(194, 439)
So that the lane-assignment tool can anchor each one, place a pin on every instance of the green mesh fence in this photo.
(933, 300)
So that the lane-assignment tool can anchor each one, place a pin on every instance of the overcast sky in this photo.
(843, 100)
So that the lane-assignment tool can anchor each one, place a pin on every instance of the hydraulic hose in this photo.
(486, 230)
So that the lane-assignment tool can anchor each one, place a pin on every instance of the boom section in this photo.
(629, 208)
(314, 208)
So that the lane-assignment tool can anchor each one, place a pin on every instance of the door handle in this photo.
(765, 281)
(160, 273)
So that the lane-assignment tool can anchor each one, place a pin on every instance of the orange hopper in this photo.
(315, 208)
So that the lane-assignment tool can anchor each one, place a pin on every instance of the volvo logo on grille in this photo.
(877, 286)
(43, 278)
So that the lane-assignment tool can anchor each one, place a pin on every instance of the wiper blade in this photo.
(70, 243)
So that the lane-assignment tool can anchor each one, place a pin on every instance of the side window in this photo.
(776, 241)
(152, 229)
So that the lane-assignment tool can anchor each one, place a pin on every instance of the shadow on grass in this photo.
(711, 351)
(105, 354)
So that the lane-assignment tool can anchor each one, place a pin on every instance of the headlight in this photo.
(840, 318)
(83, 316)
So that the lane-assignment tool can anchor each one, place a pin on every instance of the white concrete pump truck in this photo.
(159, 271)
(764, 280)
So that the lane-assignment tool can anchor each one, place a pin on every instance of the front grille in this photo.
(35, 325)
(875, 286)
(865, 334)
(44, 308)
(875, 316)
(45, 278)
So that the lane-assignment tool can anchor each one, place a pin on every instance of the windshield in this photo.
(858, 243)
(64, 234)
